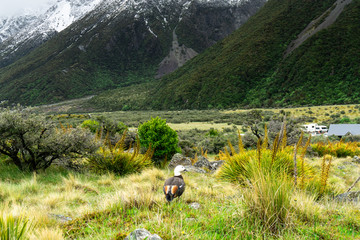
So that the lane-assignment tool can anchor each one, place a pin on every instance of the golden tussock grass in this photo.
(47, 234)
(73, 183)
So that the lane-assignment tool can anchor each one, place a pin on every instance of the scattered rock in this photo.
(179, 159)
(195, 169)
(351, 164)
(190, 219)
(216, 164)
(60, 218)
(202, 162)
(356, 159)
(195, 205)
(349, 197)
(200, 166)
(341, 167)
(141, 234)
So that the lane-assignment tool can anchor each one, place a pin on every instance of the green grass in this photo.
(107, 206)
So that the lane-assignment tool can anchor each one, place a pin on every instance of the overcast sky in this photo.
(14, 7)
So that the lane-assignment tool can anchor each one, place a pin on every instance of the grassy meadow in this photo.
(73, 112)
(58, 203)
(110, 207)
(318, 114)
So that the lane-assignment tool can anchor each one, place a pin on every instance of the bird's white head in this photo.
(178, 169)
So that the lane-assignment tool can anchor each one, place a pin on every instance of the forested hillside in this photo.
(249, 68)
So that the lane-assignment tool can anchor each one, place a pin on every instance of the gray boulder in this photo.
(179, 159)
(349, 197)
(216, 164)
(194, 169)
(202, 162)
(141, 234)
(202, 165)
(356, 159)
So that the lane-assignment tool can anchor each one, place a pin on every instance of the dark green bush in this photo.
(187, 148)
(160, 137)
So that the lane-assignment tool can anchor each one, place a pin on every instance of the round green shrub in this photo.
(162, 139)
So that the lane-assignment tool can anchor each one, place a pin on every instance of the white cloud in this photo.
(15, 7)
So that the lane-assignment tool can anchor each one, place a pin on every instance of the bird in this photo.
(175, 186)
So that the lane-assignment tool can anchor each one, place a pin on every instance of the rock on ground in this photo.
(179, 159)
(201, 165)
(349, 197)
(141, 234)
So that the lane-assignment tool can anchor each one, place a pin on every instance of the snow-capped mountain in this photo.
(20, 34)
(82, 47)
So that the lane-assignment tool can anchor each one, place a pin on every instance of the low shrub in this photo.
(339, 149)
(91, 124)
(110, 127)
(33, 143)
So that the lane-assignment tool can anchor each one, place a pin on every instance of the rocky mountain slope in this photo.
(289, 53)
(117, 43)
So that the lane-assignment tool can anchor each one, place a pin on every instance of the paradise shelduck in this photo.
(175, 186)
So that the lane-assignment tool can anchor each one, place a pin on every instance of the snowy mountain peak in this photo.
(20, 35)
(23, 33)
(63, 13)
(56, 18)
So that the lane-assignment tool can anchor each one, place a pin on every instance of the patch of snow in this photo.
(148, 27)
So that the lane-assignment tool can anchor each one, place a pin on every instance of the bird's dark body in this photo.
(174, 187)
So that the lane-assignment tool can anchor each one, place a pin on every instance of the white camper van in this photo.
(310, 128)
(321, 129)
(314, 128)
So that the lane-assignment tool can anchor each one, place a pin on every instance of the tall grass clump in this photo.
(268, 201)
(266, 173)
(115, 159)
(240, 166)
(13, 227)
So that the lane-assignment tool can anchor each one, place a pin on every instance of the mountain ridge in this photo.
(117, 44)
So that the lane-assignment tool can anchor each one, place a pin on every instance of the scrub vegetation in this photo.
(259, 192)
